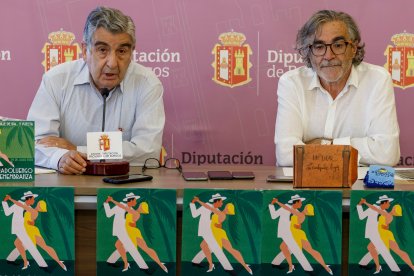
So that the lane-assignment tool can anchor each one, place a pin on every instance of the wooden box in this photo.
(324, 166)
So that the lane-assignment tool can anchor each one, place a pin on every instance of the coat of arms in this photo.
(60, 50)
(231, 60)
(400, 60)
(104, 142)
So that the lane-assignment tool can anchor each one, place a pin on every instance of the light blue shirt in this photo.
(68, 105)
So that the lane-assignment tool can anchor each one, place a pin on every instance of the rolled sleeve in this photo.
(289, 122)
(381, 145)
(147, 131)
(45, 112)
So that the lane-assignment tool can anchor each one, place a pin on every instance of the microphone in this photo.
(102, 167)
(105, 93)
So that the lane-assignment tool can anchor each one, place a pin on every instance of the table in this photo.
(86, 190)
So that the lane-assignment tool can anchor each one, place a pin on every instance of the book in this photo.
(17, 151)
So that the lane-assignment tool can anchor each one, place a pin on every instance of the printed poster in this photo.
(16, 151)
(37, 236)
(381, 233)
(302, 232)
(221, 232)
(136, 232)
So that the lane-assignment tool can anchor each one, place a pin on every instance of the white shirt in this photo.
(283, 227)
(68, 105)
(18, 219)
(119, 219)
(362, 115)
(204, 227)
(371, 226)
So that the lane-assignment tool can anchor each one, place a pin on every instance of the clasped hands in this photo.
(320, 141)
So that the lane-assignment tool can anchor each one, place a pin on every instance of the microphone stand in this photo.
(102, 167)
(105, 93)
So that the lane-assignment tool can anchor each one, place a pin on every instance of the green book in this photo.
(16, 151)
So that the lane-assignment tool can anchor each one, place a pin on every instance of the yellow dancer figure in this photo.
(386, 235)
(220, 234)
(32, 231)
(297, 232)
(299, 235)
(135, 234)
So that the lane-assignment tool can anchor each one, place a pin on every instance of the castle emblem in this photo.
(104, 142)
(60, 50)
(231, 60)
(400, 60)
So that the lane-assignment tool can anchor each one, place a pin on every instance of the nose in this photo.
(329, 54)
(111, 60)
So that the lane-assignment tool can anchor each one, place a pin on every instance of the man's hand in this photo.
(7, 197)
(195, 199)
(362, 201)
(108, 199)
(274, 200)
(320, 141)
(72, 162)
(53, 141)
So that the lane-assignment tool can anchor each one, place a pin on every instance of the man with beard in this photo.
(336, 98)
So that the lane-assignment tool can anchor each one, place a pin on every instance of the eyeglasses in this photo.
(338, 48)
(154, 163)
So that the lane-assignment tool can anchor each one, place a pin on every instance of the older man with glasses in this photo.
(336, 98)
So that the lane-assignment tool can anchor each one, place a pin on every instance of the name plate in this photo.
(104, 145)
(324, 166)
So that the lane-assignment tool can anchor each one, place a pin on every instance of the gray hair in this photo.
(112, 20)
(306, 34)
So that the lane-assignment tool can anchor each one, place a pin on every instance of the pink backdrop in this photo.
(205, 120)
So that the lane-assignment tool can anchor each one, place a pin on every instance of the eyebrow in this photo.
(99, 43)
(129, 45)
(333, 40)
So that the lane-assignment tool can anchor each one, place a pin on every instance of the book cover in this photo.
(221, 232)
(136, 231)
(38, 231)
(302, 232)
(16, 151)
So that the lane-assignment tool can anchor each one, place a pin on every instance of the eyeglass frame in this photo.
(179, 167)
(330, 46)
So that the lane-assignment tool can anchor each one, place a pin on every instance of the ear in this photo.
(84, 50)
(355, 46)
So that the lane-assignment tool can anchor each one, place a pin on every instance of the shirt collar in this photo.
(84, 77)
(352, 80)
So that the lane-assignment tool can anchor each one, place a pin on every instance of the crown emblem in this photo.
(400, 60)
(232, 39)
(231, 60)
(403, 40)
(61, 50)
(61, 37)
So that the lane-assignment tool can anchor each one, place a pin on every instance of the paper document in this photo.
(288, 171)
(43, 170)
